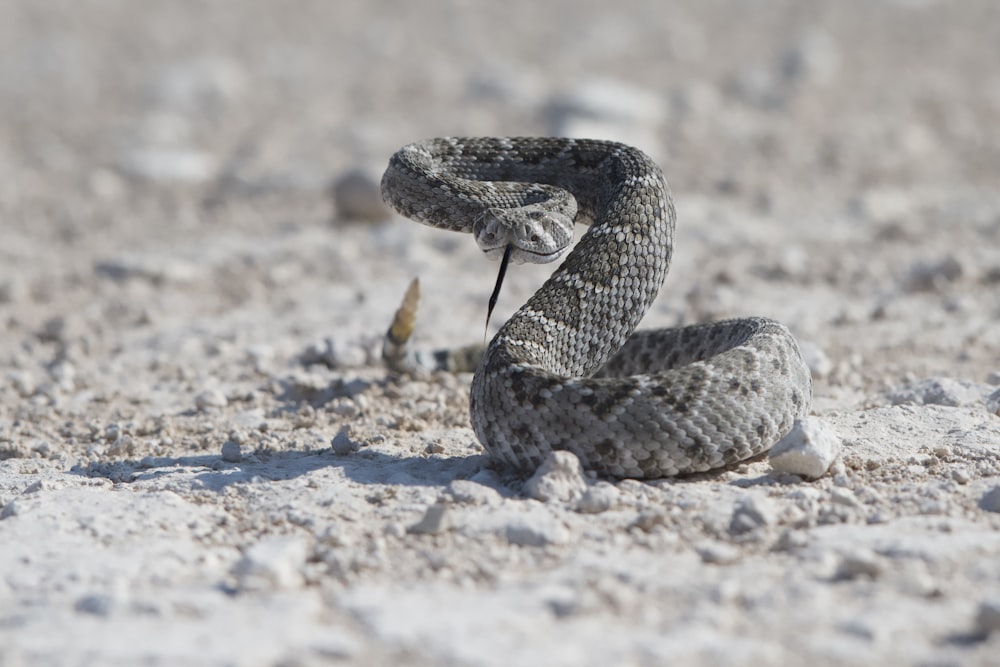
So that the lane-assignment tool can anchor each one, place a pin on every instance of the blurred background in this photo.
(158, 149)
(764, 101)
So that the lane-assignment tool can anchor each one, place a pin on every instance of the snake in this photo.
(568, 370)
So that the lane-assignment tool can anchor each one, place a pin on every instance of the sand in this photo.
(202, 461)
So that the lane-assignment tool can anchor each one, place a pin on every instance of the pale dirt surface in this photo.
(175, 285)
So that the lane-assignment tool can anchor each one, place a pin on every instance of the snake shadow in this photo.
(211, 473)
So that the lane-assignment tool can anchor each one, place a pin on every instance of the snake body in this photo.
(568, 371)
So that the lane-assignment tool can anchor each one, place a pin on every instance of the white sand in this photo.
(179, 487)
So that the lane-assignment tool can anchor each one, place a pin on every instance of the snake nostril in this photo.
(535, 238)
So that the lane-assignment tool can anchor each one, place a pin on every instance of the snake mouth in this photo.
(521, 255)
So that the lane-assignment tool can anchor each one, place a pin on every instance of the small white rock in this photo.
(937, 391)
(991, 500)
(435, 520)
(342, 443)
(536, 531)
(598, 498)
(171, 165)
(993, 403)
(860, 563)
(231, 452)
(272, 564)
(210, 398)
(469, 492)
(988, 617)
(559, 479)
(22, 382)
(751, 513)
(808, 450)
(717, 553)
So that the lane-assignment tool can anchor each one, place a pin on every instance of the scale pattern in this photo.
(568, 371)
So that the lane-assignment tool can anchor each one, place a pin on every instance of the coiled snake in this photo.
(567, 370)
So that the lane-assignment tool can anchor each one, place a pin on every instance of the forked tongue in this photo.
(496, 289)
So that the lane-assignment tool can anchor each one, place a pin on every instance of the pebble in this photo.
(988, 617)
(435, 520)
(342, 443)
(272, 564)
(10, 509)
(717, 553)
(961, 475)
(883, 206)
(993, 403)
(231, 452)
(598, 498)
(537, 530)
(468, 492)
(170, 165)
(933, 276)
(750, 514)
(647, 520)
(210, 398)
(991, 500)
(97, 604)
(559, 479)
(842, 496)
(156, 270)
(808, 450)
(936, 391)
(22, 382)
(357, 196)
(63, 374)
(860, 563)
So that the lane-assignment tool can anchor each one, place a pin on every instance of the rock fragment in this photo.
(860, 563)
(231, 452)
(988, 617)
(993, 403)
(342, 443)
(469, 492)
(991, 500)
(598, 498)
(536, 530)
(750, 514)
(272, 564)
(808, 450)
(936, 391)
(435, 520)
(559, 479)
(210, 398)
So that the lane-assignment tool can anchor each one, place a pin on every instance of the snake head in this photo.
(537, 233)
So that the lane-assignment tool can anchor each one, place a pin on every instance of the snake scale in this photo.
(568, 371)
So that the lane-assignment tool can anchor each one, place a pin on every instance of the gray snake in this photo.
(568, 371)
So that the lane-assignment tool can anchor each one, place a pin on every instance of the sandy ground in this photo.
(202, 462)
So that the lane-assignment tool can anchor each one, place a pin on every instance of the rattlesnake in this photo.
(566, 371)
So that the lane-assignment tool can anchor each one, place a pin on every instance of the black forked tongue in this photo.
(496, 289)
